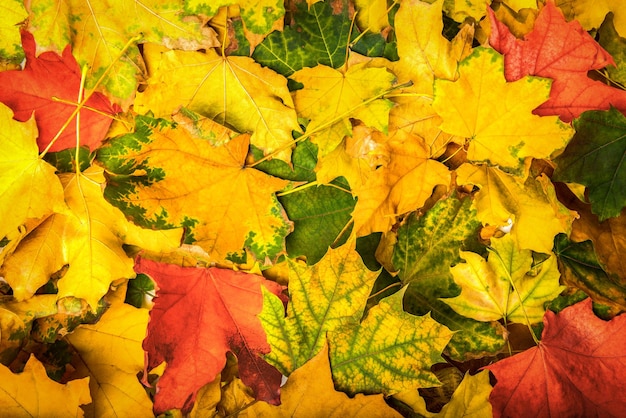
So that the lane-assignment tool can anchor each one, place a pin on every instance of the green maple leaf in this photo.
(390, 351)
(323, 297)
(595, 158)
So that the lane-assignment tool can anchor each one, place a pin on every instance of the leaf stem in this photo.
(519, 296)
(81, 91)
(297, 189)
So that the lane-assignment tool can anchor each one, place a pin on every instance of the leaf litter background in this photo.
(403, 208)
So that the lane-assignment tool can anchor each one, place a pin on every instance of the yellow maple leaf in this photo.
(330, 97)
(301, 395)
(372, 15)
(399, 185)
(504, 200)
(29, 188)
(88, 239)
(233, 91)
(110, 354)
(205, 187)
(33, 394)
(496, 116)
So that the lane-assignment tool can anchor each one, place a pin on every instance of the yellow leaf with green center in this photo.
(506, 285)
(390, 351)
(309, 392)
(233, 91)
(323, 297)
(98, 32)
(29, 188)
(12, 14)
(33, 394)
(531, 206)
(162, 176)
(460, 10)
(110, 353)
(495, 115)
(88, 239)
(330, 98)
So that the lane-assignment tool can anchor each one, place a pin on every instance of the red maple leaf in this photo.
(198, 316)
(563, 52)
(578, 369)
(47, 76)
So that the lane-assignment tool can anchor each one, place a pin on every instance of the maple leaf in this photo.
(301, 395)
(563, 52)
(496, 115)
(323, 297)
(88, 238)
(389, 351)
(252, 98)
(148, 184)
(615, 45)
(595, 158)
(318, 36)
(503, 285)
(110, 353)
(531, 206)
(35, 89)
(196, 321)
(573, 372)
(32, 393)
(28, 187)
(330, 97)
(99, 31)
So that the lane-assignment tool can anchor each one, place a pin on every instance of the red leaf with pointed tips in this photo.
(47, 76)
(563, 52)
(578, 369)
(199, 315)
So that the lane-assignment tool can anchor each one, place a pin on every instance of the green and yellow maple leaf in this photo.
(233, 91)
(504, 285)
(495, 116)
(390, 351)
(159, 181)
(33, 394)
(323, 297)
(13, 13)
(29, 188)
(300, 396)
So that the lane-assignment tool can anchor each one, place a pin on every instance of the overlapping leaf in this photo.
(32, 393)
(503, 286)
(595, 158)
(564, 52)
(13, 13)
(46, 81)
(234, 91)
(28, 187)
(88, 239)
(110, 354)
(390, 351)
(196, 321)
(163, 176)
(494, 115)
(579, 360)
(323, 297)
(531, 207)
(98, 32)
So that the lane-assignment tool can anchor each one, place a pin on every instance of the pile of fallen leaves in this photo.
(343, 208)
